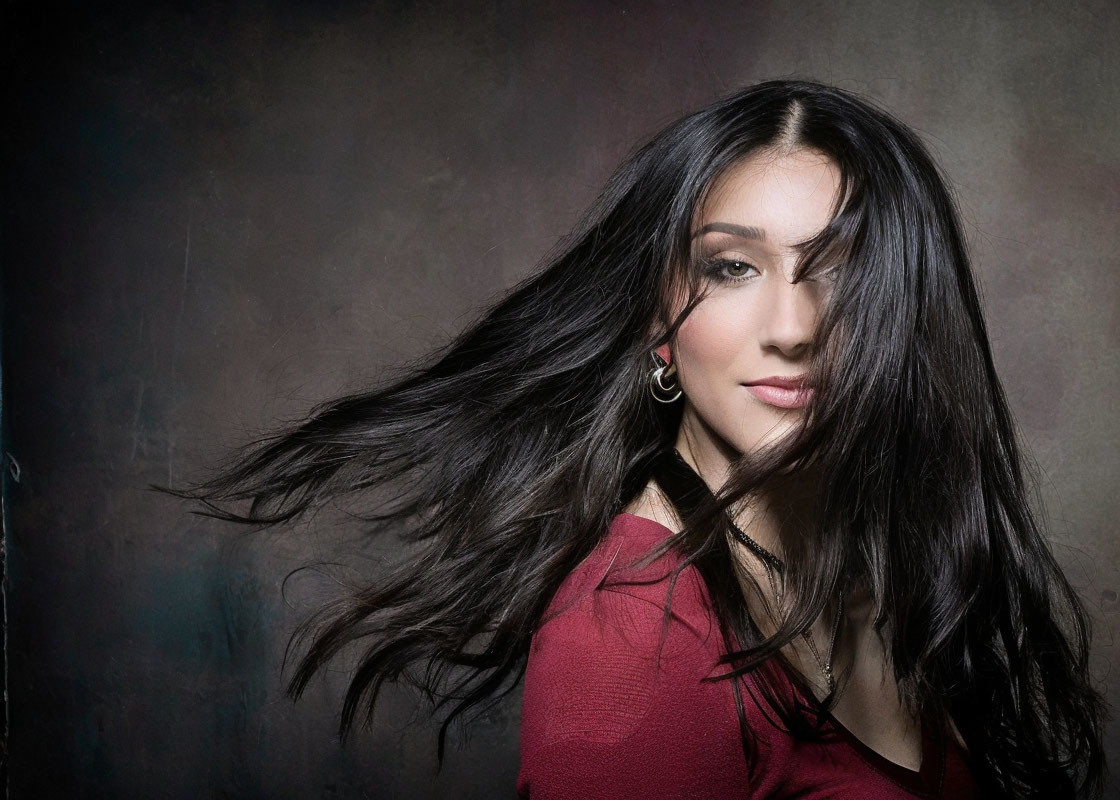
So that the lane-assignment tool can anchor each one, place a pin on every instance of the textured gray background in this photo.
(216, 217)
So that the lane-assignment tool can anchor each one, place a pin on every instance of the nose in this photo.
(789, 318)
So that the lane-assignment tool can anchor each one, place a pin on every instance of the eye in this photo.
(730, 269)
(825, 276)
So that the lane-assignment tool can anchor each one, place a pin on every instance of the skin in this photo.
(756, 323)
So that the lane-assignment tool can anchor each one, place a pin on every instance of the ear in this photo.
(665, 354)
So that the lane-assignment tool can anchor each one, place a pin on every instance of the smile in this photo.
(781, 392)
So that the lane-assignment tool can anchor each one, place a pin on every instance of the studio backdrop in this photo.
(220, 214)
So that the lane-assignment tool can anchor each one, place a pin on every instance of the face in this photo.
(743, 351)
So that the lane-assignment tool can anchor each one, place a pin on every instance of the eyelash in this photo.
(715, 266)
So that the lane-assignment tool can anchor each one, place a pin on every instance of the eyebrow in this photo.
(733, 229)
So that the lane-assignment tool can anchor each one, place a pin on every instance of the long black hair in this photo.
(507, 453)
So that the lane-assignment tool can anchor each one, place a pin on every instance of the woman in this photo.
(732, 482)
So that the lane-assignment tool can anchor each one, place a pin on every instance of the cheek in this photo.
(713, 341)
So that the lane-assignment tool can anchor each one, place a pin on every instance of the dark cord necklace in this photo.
(764, 555)
(686, 489)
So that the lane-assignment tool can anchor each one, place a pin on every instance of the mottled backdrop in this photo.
(219, 214)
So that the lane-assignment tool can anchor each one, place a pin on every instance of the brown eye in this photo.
(731, 269)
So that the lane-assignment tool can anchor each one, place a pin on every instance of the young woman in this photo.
(732, 483)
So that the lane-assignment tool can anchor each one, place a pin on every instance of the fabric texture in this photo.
(615, 705)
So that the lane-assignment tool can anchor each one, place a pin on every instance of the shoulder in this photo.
(620, 584)
(619, 701)
(651, 504)
(611, 685)
(607, 628)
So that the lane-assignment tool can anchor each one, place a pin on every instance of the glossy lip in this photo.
(781, 392)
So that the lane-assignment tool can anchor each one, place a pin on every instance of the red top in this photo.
(601, 718)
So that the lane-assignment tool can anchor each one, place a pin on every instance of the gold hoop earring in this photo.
(662, 393)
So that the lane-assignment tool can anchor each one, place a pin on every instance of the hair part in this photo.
(789, 137)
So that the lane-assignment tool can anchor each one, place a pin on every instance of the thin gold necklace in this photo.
(685, 488)
(771, 563)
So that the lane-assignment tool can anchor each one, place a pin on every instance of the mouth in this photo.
(781, 392)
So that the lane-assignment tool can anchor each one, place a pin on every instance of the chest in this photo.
(870, 707)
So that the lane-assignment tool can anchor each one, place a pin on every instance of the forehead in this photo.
(788, 195)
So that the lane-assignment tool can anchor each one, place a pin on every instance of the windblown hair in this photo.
(509, 452)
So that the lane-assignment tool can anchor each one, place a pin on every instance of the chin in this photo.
(767, 438)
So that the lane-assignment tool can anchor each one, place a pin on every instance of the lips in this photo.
(781, 392)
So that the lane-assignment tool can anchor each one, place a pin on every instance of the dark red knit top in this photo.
(607, 714)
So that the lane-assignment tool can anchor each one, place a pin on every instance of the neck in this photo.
(770, 517)
(786, 509)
